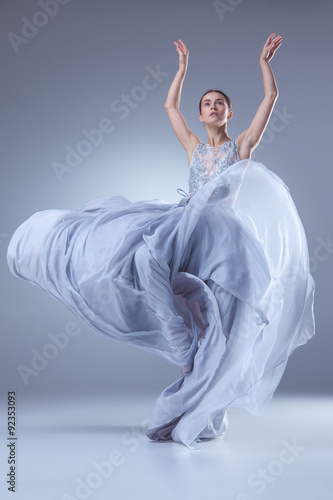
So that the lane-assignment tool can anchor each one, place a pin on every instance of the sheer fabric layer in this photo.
(220, 286)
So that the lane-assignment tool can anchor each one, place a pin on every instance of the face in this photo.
(214, 108)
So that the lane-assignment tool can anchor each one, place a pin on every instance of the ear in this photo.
(230, 115)
(200, 117)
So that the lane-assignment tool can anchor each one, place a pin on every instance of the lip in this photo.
(213, 113)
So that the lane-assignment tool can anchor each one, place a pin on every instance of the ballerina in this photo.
(217, 284)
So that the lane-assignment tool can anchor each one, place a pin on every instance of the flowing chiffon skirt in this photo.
(218, 284)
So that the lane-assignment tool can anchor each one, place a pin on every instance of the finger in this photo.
(275, 40)
(278, 43)
(274, 50)
(269, 42)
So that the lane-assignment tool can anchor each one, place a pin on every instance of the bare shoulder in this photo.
(194, 140)
(244, 149)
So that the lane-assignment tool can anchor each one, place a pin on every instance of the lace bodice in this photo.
(208, 162)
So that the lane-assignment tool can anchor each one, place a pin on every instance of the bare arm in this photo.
(250, 138)
(172, 103)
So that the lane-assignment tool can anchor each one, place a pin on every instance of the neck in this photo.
(217, 136)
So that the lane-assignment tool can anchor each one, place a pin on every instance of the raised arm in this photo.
(250, 138)
(187, 138)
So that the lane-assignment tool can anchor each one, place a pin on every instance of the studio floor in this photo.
(84, 449)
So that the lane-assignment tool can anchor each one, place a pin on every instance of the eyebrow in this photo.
(218, 99)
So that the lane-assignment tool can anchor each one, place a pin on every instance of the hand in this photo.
(183, 53)
(270, 47)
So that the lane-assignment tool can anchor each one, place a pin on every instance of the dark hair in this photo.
(220, 92)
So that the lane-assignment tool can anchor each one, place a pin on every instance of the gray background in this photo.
(64, 80)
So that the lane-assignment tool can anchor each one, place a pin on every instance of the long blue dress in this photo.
(218, 284)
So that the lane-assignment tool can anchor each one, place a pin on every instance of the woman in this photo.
(218, 284)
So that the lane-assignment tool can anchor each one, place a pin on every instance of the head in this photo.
(215, 100)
